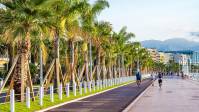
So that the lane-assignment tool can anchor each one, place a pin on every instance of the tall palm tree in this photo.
(64, 11)
(122, 37)
(88, 19)
(101, 38)
(19, 20)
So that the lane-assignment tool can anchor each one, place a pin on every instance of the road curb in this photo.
(58, 105)
(137, 98)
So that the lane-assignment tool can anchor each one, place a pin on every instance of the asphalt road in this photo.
(111, 101)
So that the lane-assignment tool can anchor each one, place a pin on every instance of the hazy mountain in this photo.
(175, 44)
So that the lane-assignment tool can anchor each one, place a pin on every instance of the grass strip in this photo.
(21, 107)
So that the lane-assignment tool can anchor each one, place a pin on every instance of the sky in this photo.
(154, 19)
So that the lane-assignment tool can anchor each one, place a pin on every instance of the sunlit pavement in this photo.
(176, 95)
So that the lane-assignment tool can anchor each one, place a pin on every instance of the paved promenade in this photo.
(176, 95)
(111, 101)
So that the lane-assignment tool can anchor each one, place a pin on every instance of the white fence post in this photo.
(51, 93)
(97, 84)
(85, 87)
(28, 97)
(113, 83)
(104, 83)
(80, 88)
(101, 84)
(41, 96)
(110, 82)
(12, 101)
(89, 86)
(107, 83)
(74, 89)
(93, 84)
(68, 90)
(60, 91)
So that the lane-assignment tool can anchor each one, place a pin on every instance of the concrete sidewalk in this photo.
(176, 95)
(111, 101)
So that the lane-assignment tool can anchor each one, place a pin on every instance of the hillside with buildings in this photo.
(184, 59)
(175, 44)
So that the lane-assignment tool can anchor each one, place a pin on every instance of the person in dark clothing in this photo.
(160, 79)
(138, 78)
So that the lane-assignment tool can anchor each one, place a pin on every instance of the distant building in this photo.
(153, 54)
(181, 59)
(161, 57)
(195, 58)
(167, 57)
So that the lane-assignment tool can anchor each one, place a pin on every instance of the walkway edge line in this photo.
(55, 106)
(135, 101)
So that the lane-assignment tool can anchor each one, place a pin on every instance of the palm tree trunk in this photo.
(131, 70)
(91, 61)
(115, 71)
(85, 51)
(98, 63)
(123, 68)
(11, 55)
(104, 67)
(119, 67)
(71, 46)
(21, 68)
(110, 71)
(56, 49)
(86, 63)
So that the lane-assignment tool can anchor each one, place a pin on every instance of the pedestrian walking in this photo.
(160, 79)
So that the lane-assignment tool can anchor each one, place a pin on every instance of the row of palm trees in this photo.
(65, 40)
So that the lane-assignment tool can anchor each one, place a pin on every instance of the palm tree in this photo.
(19, 20)
(64, 13)
(88, 18)
(101, 40)
(123, 37)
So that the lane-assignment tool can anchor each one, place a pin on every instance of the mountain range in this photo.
(174, 44)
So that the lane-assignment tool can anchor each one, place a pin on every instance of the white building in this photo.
(181, 59)
(195, 58)
(154, 54)
(167, 57)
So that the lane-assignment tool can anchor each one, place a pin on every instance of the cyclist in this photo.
(160, 79)
(138, 78)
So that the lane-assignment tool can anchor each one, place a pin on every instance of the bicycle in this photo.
(138, 83)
